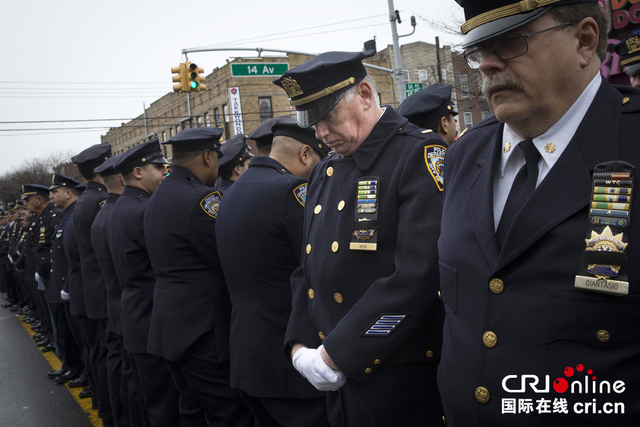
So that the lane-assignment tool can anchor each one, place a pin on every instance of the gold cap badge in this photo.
(291, 86)
(633, 44)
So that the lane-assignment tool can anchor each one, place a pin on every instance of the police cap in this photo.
(427, 105)
(490, 18)
(140, 155)
(108, 168)
(93, 156)
(317, 86)
(629, 51)
(234, 152)
(263, 135)
(289, 127)
(29, 190)
(62, 181)
(197, 139)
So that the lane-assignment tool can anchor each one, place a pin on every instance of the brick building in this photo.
(259, 99)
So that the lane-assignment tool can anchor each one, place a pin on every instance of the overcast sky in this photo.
(67, 64)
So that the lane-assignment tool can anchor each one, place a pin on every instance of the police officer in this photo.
(233, 162)
(276, 187)
(121, 393)
(142, 168)
(431, 109)
(367, 287)
(94, 291)
(629, 51)
(63, 195)
(191, 307)
(533, 295)
(36, 200)
(263, 136)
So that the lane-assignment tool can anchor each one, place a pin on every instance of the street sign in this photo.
(259, 69)
(411, 88)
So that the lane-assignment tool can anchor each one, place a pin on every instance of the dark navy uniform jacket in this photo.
(222, 185)
(73, 284)
(190, 297)
(339, 293)
(125, 234)
(59, 263)
(259, 236)
(103, 256)
(87, 207)
(525, 294)
(43, 238)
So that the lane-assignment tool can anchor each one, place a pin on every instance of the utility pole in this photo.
(438, 59)
(398, 71)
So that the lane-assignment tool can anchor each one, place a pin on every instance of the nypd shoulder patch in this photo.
(434, 159)
(300, 193)
(210, 204)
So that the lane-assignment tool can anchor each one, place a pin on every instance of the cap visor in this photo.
(309, 117)
(500, 26)
(633, 68)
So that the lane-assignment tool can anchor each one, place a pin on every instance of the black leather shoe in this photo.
(66, 377)
(84, 393)
(15, 308)
(38, 337)
(7, 305)
(47, 348)
(42, 342)
(56, 373)
(81, 381)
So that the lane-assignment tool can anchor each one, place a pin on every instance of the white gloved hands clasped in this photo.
(309, 363)
(64, 295)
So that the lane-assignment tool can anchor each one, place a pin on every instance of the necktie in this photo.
(523, 186)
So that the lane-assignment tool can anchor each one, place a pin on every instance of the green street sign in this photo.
(411, 88)
(259, 69)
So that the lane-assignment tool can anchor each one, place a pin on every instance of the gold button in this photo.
(317, 209)
(603, 336)
(52, 270)
(490, 339)
(308, 248)
(338, 298)
(367, 371)
(496, 285)
(341, 205)
(625, 100)
(329, 171)
(144, 159)
(429, 354)
(335, 246)
(440, 295)
(377, 361)
(444, 420)
(311, 294)
(482, 395)
(321, 335)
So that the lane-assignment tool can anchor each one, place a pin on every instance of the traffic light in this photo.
(196, 81)
(181, 78)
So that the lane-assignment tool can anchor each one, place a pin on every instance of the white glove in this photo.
(309, 363)
(10, 259)
(37, 277)
(64, 295)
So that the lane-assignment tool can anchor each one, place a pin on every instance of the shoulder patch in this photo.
(300, 193)
(210, 204)
(434, 159)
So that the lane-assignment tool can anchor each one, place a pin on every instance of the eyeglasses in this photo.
(506, 47)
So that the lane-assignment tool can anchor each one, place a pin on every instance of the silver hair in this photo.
(351, 92)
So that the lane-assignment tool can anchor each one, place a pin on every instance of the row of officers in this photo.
(169, 306)
(309, 286)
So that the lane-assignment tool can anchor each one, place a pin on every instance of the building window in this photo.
(216, 117)
(406, 76)
(227, 131)
(207, 120)
(171, 133)
(266, 112)
(468, 119)
(464, 84)
(164, 136)
(485, 114)
(422, 76)
(444, 75)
